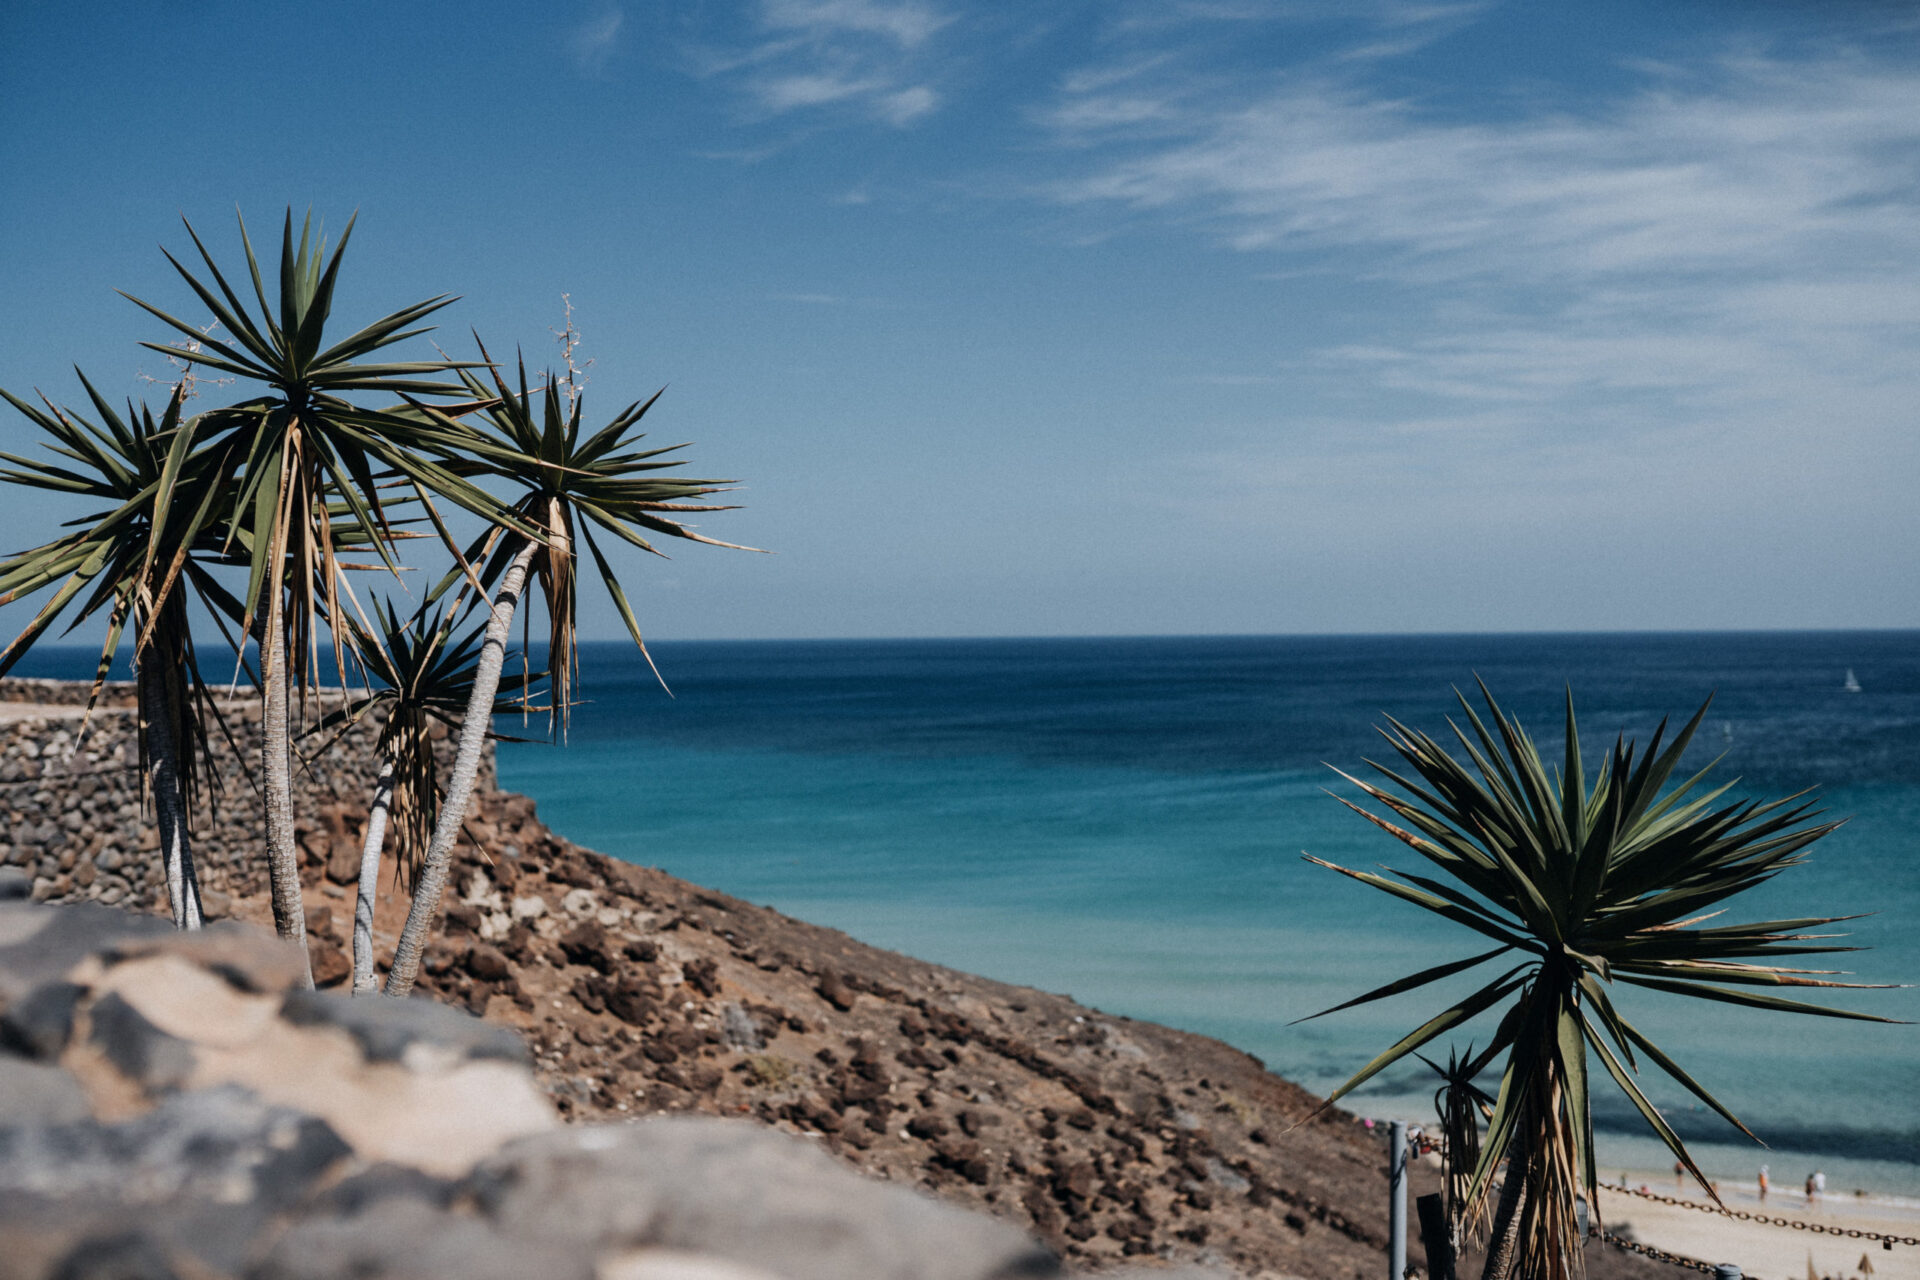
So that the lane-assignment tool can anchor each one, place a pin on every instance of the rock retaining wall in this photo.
(71, 817)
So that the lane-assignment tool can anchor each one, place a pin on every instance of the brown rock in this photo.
(834, 992)
(463, 917)
(487, 964)
(591, 989)
(964, 1158)
(320, 921)
(440, 956)
(587, 944)
(632, 1000)
(703, 976)
(927, 1124)
(330, 964)
(343, 860)
(1077, 1179)
(974, 1121)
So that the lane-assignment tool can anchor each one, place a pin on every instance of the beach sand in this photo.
(1766, 1251)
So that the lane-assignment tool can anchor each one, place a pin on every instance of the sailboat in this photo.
(1852, 685)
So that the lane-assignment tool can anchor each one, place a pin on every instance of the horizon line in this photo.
(951, 638)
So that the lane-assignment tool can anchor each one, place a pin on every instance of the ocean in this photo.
(1122, 820)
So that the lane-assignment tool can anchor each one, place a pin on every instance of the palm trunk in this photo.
(1505, 1235)
(166, 785)
(276, 768)
(364, 983)
(466, 767)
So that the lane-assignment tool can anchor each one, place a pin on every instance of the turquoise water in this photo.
(1122, 820)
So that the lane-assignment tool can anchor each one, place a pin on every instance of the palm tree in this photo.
(156, 529)
(1460, 1104)
(1582, 889)
(569, 486)
(426, 674)
(284, 455)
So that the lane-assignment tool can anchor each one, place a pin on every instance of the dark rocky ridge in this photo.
(638, 993)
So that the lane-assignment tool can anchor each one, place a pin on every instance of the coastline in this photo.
(1108, 1138)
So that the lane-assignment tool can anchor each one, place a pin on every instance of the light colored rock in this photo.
(744, 1193)
(675, 1264)
(34, 1094)
(437, 1115)
(186, 1000)
(420, 1101)
(404, 1239)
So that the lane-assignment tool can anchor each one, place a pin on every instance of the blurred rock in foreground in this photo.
(170, 1106)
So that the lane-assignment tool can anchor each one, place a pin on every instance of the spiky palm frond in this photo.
(286, 455)
(1583, 888)
(1461, 1105)
(420, 670)
(569, 486)
(137, 556)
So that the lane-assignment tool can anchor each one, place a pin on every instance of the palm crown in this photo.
(569, 486)
(1582, 888)
(289, 452)
(139, 553)
(420, 672)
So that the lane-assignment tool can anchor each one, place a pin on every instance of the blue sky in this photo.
(1085, 318)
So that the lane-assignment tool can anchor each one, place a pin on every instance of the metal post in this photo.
(1397, 1203)
(1726, 1271)
(1435, 1237)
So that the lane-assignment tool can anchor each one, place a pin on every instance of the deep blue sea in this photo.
(1122, 820)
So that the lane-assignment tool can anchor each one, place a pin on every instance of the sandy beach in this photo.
(1767, 1251)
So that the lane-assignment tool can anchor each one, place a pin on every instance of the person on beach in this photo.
(1763, 1184)
(1819, 1185)
(1679, 1174)
(1810, 1190)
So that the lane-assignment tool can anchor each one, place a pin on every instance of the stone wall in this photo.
(71, 817)
(65, 693)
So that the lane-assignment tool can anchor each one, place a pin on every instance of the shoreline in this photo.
(1765, 1250)
(641, 993)
(1789, 1201)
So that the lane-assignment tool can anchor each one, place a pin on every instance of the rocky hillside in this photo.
(172, 1107)
(637, 993)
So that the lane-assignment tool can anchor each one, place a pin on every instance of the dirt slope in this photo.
(1108, 1138)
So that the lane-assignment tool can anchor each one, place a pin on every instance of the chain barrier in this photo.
(1821, 1228)
(1694, 1264)
(1658, 1254)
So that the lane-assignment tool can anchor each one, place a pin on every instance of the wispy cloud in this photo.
(1679, 315)
(906, 24)
(1772, 160)
(1747, 233)
(874, 59)
(593, 43)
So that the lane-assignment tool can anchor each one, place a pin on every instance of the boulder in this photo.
(744, 1193)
